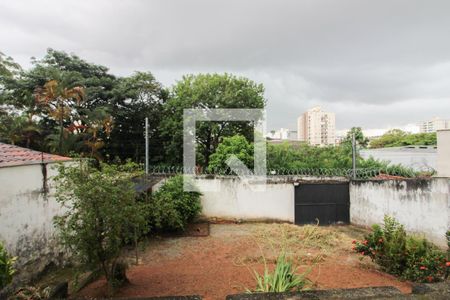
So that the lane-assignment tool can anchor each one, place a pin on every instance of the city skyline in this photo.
(421, 126)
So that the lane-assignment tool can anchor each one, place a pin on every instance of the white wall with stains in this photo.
(26, 213)
(422, 206)
(235, 200)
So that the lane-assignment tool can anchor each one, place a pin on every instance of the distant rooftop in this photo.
(11, 155)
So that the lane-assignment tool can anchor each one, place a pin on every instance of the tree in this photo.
(59, 100)
(96, 80)
(18, 92)
(18, 129)
(360, 139)
(236, 145)
(127, 100)
(397, 138)
(135, 98)
(208, 91)
(102, 215)
(8, 67)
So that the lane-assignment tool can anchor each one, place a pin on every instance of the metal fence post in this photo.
(354, 155)
(146, 145)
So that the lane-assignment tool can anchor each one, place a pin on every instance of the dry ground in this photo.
(222, 263)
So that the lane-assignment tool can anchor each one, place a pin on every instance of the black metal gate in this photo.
(326, 203)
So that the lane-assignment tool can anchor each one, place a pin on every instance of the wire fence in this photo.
(305, 172)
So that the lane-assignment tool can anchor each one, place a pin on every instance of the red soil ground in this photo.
(208, 266)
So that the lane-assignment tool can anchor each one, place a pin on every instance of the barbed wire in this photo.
(365, 173)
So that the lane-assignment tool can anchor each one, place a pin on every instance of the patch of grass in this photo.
(292, 238)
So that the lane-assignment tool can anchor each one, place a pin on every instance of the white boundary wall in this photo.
(26, 214)
(237, 201)
(422, 206)
(443, 153)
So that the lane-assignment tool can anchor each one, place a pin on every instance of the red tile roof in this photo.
(11, 155)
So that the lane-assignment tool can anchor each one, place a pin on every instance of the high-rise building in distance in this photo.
(317, 127)
(433, 125)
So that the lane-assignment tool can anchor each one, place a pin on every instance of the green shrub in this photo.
(172, 208)
(399, 254)
(102, 216)
(282, 279)
(6, 267)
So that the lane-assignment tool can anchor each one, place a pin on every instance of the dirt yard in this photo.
(223, 262)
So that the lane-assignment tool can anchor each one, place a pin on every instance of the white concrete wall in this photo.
(26, 214)
(422, 206)
(443, 153)
(235, 200)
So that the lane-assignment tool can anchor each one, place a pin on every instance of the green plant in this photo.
(102, 215)
(172, 208)
(406, 256)
(6, 267)
(236, 145)
(282, 279)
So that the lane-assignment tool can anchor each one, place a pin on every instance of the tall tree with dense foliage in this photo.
(116, 105)
(208, 91)
(18, 93)
(135, 98)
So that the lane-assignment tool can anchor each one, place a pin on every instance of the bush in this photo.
(406, 256)
(102, 215)
(172, 208)
(6, 267)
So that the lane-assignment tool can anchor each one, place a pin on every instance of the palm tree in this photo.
(59, 100)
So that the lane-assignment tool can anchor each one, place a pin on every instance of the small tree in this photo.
(102, 216)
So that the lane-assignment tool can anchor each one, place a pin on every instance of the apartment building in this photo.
(317, 127)
(433, 125)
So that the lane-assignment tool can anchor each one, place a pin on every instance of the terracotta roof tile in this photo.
(11, 155)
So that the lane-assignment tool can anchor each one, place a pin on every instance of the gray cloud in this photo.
(375, 63)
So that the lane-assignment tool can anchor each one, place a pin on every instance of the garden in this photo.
(122, 244)
(234, 258)
(118, 242)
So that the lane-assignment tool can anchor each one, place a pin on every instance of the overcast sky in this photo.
(376, 64)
